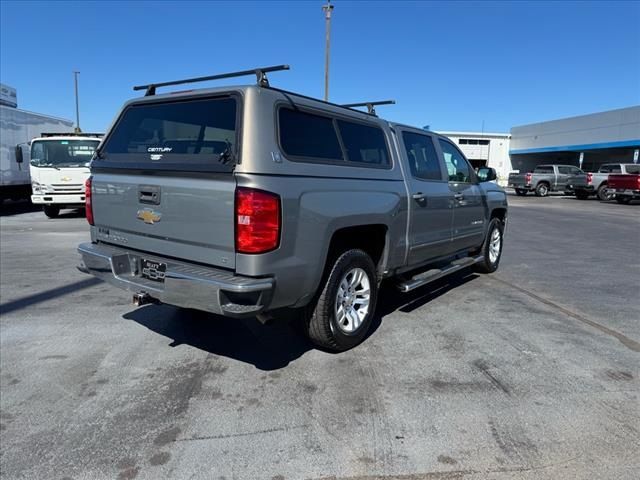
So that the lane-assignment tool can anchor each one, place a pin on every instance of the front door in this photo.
(468, 207)
(430, 206)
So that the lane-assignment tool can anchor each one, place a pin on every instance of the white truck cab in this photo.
(59, 168)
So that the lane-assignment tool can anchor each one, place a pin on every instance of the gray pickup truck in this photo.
(544, 179)
(586, 184)
(246, 200)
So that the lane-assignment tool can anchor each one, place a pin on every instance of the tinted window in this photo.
(422, 156)
(632, 168)
(615, 169)
(192, 131)
(564, 170)
(544, 170)
(575, 170)
(304, 134)
(363, 143)
(458, 169)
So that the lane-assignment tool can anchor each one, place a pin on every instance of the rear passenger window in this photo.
(363, 143)
(422, 156)
(304, 134)
(564, 170)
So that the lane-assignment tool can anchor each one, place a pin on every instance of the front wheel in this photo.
(343, 312)
(51, 211)
(492, 248)
(542, 190)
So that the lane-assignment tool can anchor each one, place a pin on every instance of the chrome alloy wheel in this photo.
(495, 244)
(352, 300)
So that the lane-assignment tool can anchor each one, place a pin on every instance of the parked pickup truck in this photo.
(544, 179)
(625, 187)
(245, 200)
(586, 184)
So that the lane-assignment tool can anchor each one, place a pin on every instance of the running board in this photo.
(437, 273)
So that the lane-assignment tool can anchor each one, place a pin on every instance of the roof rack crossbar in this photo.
(370, 105)
(260, 73)
(70, 134)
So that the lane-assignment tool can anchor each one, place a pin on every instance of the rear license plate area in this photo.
(152, 270)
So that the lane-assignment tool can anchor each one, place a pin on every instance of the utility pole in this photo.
(77, 129)
(328, 8)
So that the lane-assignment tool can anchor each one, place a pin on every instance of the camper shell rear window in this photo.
(193, 134)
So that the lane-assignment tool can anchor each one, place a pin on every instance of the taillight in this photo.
(527, 178)
(257, 221)
(88, 207)
(589, 178)
(638, 181)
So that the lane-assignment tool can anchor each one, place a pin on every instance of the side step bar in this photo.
(435, 273)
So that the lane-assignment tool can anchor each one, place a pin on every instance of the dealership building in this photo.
(586, 141)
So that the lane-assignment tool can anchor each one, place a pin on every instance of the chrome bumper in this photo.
(185, 285)
(58, 198)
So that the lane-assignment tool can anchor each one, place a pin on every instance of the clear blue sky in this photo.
(451, 65)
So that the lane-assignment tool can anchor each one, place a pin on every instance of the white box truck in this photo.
(59, 169)
(17, 128)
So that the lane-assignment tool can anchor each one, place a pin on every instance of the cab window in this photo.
(458, 169)
(422, 156)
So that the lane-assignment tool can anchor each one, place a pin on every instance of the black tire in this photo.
(625, 200)
(603, 193)
(320, 317)
(51, 211)
(520, 192)
(542, 190)
(582, 195)
(487, 265)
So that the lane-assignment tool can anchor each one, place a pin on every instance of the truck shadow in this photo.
(275, 345)
(8, 207)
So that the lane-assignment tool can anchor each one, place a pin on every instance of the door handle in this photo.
(418, 196)
(458, 196)
(149, 194)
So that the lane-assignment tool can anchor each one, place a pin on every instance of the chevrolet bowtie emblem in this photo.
(65, 179)
(147, 215)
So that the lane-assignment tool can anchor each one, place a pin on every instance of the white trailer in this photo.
(17, 129)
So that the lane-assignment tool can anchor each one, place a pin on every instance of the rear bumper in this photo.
(624, 192)
(58, 199)
(185, 285)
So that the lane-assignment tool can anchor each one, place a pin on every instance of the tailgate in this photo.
(517, 179)
(190, 218)
(163, 179)
(577, 181)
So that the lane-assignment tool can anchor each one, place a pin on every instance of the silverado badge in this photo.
(149, 216)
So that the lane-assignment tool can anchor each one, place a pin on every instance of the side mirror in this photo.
(487, 174)
(19, 158)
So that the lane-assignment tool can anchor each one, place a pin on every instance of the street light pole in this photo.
(328, 8)
(77, 129)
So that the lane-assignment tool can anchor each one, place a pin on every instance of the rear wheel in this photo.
(520, 192)
(492, 248)
(51, 211)
(623, 199)
(342, 315)
(603, 193)
(542, 190)
(581, 195)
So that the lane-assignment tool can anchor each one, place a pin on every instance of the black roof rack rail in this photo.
(71, 134)
(260, 73)
(370, 105)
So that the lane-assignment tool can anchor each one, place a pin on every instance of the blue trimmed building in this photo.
(587, 141)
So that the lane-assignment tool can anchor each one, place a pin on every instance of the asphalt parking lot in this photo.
(532, 372)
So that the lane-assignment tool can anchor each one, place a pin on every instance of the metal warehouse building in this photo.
(586, 141)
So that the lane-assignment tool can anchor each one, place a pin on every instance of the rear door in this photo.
(163, 180)
(430, 200)
(468, 208)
